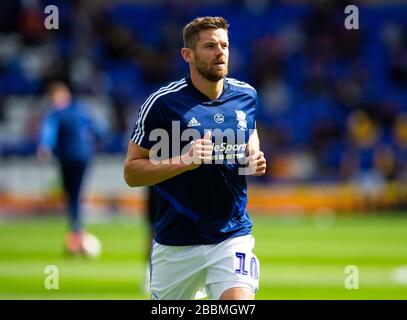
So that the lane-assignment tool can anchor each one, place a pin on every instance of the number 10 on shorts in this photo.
(242, 263)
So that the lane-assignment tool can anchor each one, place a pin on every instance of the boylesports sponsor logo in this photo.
(225, 151)
(224, 147)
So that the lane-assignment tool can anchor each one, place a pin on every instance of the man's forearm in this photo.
(143, 172)
(254, 142)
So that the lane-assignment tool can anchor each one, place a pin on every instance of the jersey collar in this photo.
(204, 99)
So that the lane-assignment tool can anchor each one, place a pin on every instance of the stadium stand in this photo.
(334, 101)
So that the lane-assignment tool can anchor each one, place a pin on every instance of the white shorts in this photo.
(191, 272)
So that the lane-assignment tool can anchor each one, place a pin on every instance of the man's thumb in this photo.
(207, 135)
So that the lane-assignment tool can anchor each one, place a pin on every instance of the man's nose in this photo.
(219, 51)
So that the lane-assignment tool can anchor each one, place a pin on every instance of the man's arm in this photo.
(139, 170)
(257, 162)
(254, 143)
(48, 138)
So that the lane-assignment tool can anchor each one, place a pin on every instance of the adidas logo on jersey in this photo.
(193, 123)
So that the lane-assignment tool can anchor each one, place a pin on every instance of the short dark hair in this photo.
(55, 86)
(192, 29)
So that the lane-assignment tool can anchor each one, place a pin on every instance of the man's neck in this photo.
(211, 89)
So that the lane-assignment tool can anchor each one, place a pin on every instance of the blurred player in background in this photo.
(69, 132)
(202, 231)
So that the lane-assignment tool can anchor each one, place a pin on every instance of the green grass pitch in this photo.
(301, 258)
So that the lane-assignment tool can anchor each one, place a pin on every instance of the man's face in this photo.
(60, 98)
(211, 54)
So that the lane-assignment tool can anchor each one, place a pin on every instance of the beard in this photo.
(206, 71)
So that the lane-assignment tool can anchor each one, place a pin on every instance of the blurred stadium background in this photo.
(333, 126)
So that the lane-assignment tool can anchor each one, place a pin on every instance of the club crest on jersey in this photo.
(219, 118)
(241, 120)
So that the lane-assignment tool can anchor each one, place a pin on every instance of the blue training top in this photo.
(206, 205)
(69, 133)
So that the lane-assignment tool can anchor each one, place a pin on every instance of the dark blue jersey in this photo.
(69, 133)
(206, 205)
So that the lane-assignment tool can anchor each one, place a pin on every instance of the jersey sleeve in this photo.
(49, 131)
(257, 106)
(149, 119)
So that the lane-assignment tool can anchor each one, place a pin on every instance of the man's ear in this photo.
(187, 54)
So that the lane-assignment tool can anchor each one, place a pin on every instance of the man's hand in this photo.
(199, 152)
(256, 163)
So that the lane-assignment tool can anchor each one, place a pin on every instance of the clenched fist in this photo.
(200, 152)
(256, 163)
